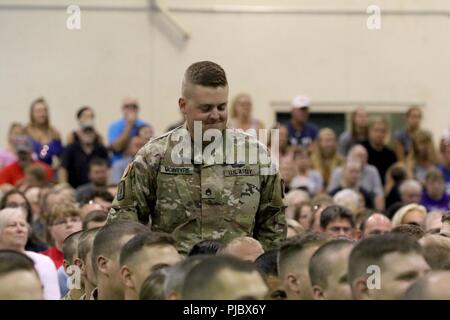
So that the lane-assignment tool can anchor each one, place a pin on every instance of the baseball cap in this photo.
(23, 144)
(300, 102)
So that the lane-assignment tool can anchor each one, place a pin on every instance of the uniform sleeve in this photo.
(136, 193)
(270, 222)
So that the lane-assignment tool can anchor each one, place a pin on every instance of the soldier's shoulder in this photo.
(158, 145)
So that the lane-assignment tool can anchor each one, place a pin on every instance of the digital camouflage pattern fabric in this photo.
(194, 202)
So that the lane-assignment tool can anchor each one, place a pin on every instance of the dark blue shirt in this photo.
(302, 137)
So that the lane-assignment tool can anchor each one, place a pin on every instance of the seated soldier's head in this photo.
(18, 277)
(224, 278)
(432, 286)
(244, 248)
(267, 265)
(328, 270)
(383, 267)
(293, 261)
(84, 260)
(70, 251)
(143, 254)
(105, 256)
(154, 286)
(177, 275)
(436, 250)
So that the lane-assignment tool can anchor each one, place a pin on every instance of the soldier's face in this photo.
(150, 258)
(399, 272)
(205, 104)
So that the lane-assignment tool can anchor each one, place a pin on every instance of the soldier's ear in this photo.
(125, 277)
(79, 263)
(318, 293)
(360, 291)
(66, 264)
(292, 283)
(102, 264)
(182, 104)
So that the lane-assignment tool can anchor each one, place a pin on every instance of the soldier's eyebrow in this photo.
(158, 266)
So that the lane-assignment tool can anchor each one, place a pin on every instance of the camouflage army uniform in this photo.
(201, 201)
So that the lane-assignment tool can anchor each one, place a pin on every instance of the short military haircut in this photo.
(94, 216)
(331, 213)
(204, 73)
(419, 290)
(370, 251)
(142, 240)
(291, 248)
(153, 287)
(410, 230)
(320, 265)
(203, 280)
(205, 247)
(178, 272)
(85, 242)
(108, 243)
(70, 246)
(11, 261)
(436, 250)
(267, 263)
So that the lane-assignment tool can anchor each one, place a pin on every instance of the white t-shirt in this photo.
(47, 273)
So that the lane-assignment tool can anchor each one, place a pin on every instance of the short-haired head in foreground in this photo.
(383, 267)
(267, 265)
(18, 277)
(436, 250)
(153, 287)
(328, 270)
(224, 278)
(293, 261)
(177, 275)
(143, 254)
(106, 249)
(433, 286)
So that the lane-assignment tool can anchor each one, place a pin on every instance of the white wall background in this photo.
(273, 56)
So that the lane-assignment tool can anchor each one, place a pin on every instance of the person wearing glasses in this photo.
(63, 220)
(122, 130)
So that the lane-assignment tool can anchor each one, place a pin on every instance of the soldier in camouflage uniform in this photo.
(198, 198)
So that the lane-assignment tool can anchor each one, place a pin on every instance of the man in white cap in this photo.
(301, 132)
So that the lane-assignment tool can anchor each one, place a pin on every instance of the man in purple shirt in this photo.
(301, 132)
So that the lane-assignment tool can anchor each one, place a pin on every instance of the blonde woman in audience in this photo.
(409, 214)
(423, 155)
(14, 235)
(46, 139)
(241, 114)
(325, 157)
